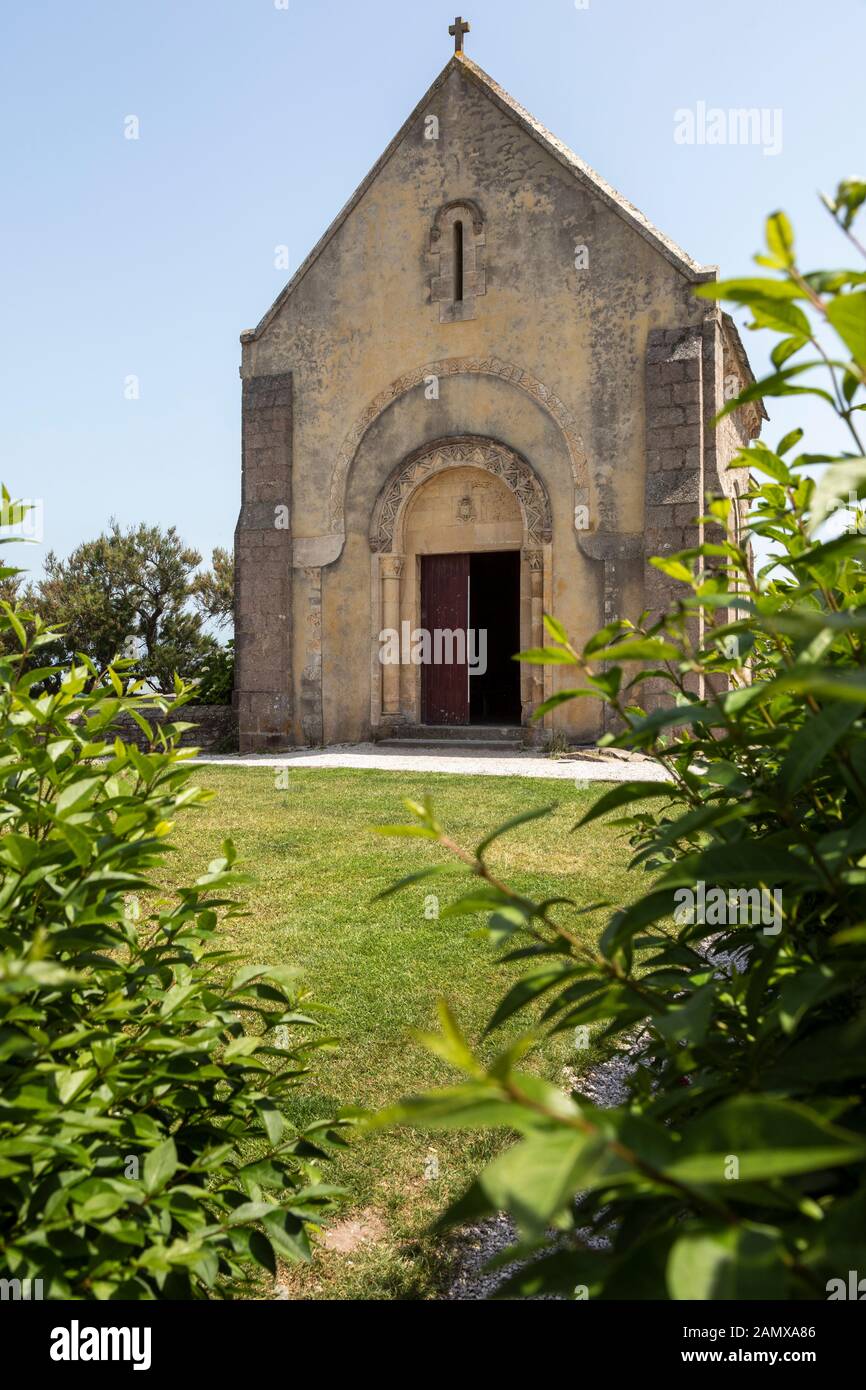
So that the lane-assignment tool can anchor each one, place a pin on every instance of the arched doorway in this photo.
(461, 535)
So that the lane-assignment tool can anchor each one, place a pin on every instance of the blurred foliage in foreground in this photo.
(737, 1166)
(145, 1151)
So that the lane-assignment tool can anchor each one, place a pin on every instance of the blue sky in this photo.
(148, 257)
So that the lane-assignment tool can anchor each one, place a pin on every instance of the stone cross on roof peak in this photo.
(458, 29)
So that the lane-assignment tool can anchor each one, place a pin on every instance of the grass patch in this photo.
(381, 966)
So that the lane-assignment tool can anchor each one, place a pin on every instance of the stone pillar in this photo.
(676, 420)
(263, 568)
(312, 710)
(391, 573)
(535, 559)
(621, 561)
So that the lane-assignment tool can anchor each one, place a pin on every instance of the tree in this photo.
(214, 590)
(92, 595)
(126, 594)
(736, 1168)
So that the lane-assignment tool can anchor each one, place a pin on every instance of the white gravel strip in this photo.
(606, 1085)
(576, 767)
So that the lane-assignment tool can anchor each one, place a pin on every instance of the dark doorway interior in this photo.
(494, 608)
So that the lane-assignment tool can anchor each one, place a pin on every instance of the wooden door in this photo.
(445, 606)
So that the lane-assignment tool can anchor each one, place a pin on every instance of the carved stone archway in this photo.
(395, 696)
(465, 451)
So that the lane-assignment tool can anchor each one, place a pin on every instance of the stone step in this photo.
(456, 733)
(453, 745)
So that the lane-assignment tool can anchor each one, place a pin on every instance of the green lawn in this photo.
(381, 966)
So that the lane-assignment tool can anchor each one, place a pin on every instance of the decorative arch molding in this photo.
(454, 208)
(456, 366)
(463, 451)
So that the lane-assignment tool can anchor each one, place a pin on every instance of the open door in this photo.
(445, 607)
(470, 607)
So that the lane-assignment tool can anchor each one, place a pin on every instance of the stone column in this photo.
(620, 555)
(391, 573)
(263, 568)
(535, 560)
(312, 711)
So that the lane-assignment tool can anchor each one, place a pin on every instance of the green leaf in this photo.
(288, 1237)
(75, 793)
(484, 898)
(786, 348)
(639, 648)
(250, 1211)
(674, 568)
(411, 832)
(535, 1179)
(769, 1138)
(745, 862)
(160, 1165)
(418, 877)
(624, 926)
(531, 987)
(555, 629)
(779, 383)
(272, 1120)
(725, 1262)
(837, 484)
(847, 313)
(626, 793)
(262, 1252)
(744, 291)
(780, 239)
(562, 697)
(779, 315)
(545, 656)
(688, 1022)
(765, 461)
(819, 734)
(788, 441)
(451, 1045)
(470, 1106)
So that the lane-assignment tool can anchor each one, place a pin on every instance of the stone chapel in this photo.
(485, 395)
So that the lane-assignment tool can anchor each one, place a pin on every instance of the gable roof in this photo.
(678, 258)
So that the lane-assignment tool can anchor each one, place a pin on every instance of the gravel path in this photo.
(589, 765)
(605, 1085)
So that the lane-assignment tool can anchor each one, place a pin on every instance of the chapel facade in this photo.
(485, 395)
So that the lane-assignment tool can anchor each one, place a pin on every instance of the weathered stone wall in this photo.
(216, 727)
(675, 418)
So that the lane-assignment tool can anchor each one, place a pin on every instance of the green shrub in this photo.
(737, 1165)
(217, 677)
(145, 1148)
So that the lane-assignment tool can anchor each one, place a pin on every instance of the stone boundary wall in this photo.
(216, 727)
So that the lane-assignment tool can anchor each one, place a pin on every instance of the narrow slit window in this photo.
(456, 258)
